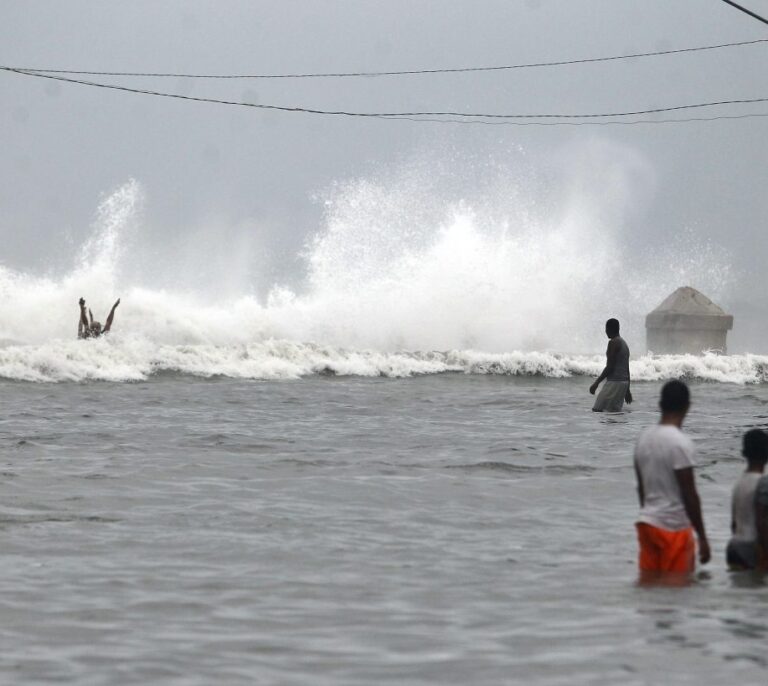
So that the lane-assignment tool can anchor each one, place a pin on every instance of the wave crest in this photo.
(133, 358)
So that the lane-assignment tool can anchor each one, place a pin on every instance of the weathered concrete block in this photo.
(687, 322)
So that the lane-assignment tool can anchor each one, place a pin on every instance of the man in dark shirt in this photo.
(616, 389)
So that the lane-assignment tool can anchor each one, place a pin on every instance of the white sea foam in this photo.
(133, 358)
(397, 267)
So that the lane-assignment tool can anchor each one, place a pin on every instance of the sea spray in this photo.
(399, 264)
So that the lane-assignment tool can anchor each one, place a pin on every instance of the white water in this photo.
(397, 267)
(135, 358)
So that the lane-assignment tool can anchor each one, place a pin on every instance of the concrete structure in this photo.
(687, 322)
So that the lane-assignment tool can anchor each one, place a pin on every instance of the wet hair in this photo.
(756, 446)
(675, 397)
(612, 327)
(96, 326)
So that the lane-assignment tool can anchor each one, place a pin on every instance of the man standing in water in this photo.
(748, 525)
(670, 509)
(93, 329)
(616, 389)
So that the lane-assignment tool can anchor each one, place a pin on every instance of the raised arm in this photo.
(111, 316)
(82, 324)
(693, 509)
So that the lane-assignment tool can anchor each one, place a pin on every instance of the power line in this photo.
(746, 11)
(407, 72)
(389, 115)
(636, 122)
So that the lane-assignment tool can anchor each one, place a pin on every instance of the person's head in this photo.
(96, 328)
(612, 328)
(675, 400)
(755, 448)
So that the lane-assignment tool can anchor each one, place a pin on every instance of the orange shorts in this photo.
(666, 551)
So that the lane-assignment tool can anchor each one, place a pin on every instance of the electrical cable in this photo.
(407, 72)
(387, 115)
(636, 122)
(445, 117)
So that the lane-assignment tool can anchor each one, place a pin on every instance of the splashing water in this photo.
(396, 268)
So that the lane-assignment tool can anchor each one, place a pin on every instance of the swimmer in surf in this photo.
(92, 329)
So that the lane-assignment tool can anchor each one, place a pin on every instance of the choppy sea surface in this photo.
(443, 528)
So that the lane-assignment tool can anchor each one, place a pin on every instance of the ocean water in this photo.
(387, 472)
(440, 528)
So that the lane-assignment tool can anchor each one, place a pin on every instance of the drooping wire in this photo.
(387, 115)
(406, 72)
(613, 122)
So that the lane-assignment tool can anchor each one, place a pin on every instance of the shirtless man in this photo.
(616, 389)
(92, 329)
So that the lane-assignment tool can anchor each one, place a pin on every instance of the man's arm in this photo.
(693, 509)
(610, 363)
(640, 489)
(111, 316)
(82, 324)
(761, 519)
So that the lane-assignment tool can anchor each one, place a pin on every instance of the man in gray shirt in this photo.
(743, 548)
(615, 374)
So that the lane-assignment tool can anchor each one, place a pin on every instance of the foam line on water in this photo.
(133, 358)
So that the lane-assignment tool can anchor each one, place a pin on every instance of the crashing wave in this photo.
(396, 267)
(134, 358)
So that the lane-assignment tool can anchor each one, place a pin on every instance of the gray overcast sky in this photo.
(209, 169)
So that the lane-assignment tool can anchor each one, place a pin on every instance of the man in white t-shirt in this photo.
(670, 509)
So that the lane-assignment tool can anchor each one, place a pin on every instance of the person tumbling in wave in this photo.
(616, 390)
(92, 329)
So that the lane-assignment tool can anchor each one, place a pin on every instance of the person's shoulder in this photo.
(679, 438)
(664, 431)
(674, 433)
(650, 439)
(666, 437)
(645, 434)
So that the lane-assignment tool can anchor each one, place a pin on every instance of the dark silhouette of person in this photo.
(616, 373)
